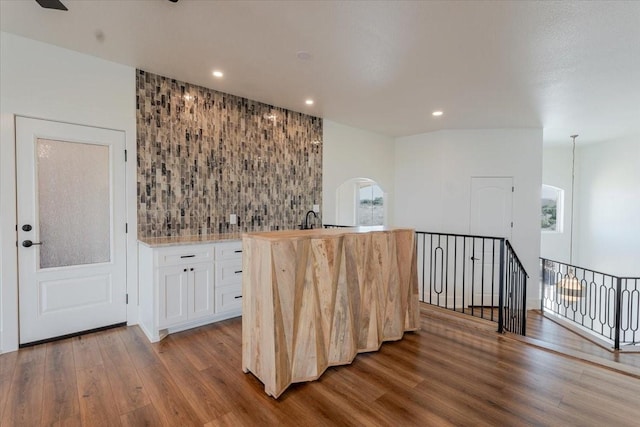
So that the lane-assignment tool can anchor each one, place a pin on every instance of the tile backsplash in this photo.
(204, 155)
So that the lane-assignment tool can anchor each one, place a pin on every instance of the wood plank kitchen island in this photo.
(315, 298)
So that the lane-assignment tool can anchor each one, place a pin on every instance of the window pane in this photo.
(371, 205)
(551, 204)
(73, 203)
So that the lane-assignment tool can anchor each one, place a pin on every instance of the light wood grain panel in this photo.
(314, 300)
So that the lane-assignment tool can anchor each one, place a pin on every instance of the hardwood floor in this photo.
(451, 372)
(547, 330)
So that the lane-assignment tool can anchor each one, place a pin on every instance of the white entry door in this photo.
(491, 215)
(71, 228)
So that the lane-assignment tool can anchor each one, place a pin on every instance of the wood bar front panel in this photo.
(314, 300)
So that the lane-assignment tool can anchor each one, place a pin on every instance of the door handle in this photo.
(475, 259)
(29, 243)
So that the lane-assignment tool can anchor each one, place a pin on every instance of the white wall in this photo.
(433, 184)
(354, 153)
(607, 220)
(556, 171)
(44, 81)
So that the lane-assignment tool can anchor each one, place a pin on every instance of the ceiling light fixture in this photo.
(217, 74)
(309, 102)
(570, 287)
(437, 113)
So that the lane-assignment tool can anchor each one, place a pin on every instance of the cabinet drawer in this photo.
(229, 298)
(228, 272)
(185, 255)
(229, 250)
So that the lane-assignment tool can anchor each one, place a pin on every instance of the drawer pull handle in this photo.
(238, 297)
(187, 256)
(238, 251)
(238, 271)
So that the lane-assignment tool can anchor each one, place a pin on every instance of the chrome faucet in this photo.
(305, 224)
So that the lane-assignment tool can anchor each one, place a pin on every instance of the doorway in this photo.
(360, 201)
(71, 228)
(490, 215)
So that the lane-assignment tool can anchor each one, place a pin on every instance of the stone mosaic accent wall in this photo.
(203, 155)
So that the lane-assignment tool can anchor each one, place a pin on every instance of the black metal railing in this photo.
(514, 308)
(598, 303)
(476, 275)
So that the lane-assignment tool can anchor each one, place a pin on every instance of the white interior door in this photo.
(71, 228)
(491, 215)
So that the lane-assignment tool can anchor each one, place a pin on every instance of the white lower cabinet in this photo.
(182, 287)
(185, 293)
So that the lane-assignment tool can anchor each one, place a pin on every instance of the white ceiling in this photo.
(569, 67)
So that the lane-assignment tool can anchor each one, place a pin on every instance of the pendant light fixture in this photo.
(570, 287)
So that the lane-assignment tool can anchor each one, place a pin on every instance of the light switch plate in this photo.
(233, 219)
(316, 208)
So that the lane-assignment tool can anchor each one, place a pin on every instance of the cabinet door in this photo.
(200, 290)
(172, 295)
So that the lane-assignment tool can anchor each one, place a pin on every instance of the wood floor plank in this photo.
(23, 405)
(8, 363)
(204, 398)
(143, 416)
(228, 420)
(74, 421)
(97, 404)
(545, 329)
(125, 383)
(60, 400)
(167, 397)
(86, 351)
(199, 354)
(138, 347)
(7, 368)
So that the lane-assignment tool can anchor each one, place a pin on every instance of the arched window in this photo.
(370, 204)
(360, 201)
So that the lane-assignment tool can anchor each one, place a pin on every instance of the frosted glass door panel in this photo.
(73, 203)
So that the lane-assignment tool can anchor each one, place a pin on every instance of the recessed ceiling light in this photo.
(437, 113)
(309, 102)
(303, 55)
(217, 74)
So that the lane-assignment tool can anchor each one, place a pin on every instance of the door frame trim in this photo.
(9, 314)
